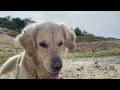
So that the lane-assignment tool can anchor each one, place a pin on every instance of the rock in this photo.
(112, 67)
(105, 67)
(79, 69)
(108, 78)
(69, 71)
(97, 66)
(96, 62)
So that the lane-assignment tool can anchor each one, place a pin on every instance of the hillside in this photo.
(88, 38)
(4, 31)
(86, 46)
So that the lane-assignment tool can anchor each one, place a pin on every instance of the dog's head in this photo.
(48, 42)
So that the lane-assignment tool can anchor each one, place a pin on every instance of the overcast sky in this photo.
(100, 23)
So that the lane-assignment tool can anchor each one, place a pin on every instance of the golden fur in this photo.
(35, 61)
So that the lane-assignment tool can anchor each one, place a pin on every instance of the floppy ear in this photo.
(27, 41)
(69, 36)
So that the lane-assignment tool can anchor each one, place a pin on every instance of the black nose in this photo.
(56, 64)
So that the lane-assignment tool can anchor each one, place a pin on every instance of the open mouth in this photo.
(54, 75)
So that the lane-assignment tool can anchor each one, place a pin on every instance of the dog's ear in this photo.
(27, 40)
(69, 36)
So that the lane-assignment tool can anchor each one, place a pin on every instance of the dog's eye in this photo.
(44, 45)
(60, 44)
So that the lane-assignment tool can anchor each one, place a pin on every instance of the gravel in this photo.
(92, 68)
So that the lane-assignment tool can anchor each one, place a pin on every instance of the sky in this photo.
(99, 23)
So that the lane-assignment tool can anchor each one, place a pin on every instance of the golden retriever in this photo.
(44, 47)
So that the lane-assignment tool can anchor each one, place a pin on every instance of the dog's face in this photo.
(48, 43)
(50, 48)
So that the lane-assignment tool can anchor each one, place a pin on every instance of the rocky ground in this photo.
(92, 68)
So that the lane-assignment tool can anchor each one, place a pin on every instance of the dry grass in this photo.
(8, 48)
(95, 49)
(6, 51)
(97, 46)
(5, 39)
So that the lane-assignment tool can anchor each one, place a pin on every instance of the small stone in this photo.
(78, 69)
(97, 66)
(105, 68)
(112, 67)
(82, 67)
(96, 62)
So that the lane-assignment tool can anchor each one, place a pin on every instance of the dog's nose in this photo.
(57, 64)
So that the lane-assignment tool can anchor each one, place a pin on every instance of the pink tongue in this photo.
(55, 74)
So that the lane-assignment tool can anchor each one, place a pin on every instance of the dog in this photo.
(44, 46)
